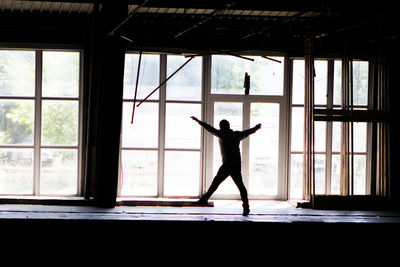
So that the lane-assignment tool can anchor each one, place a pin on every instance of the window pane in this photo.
(360, 82)
(335, 176)
(17, 73)
(60, 74)
(233, 113)
(139, 173)
(360, 172)
(180, 130)
(16, 171)
(297, 143)
(182, 173)
(298, 82)
(264, 148)
(320, 174)
(296, 176)
(16, 122)
(144, 130)
(320, 136)
(336, 136)
(360, 136)
(337, 83)
(59, 172)
(320, 82)
(59, 122)
(149, 76)
(227, 75)
(186, 83)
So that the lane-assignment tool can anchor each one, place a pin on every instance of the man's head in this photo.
(224, 125)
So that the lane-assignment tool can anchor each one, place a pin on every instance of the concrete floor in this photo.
(223, 211)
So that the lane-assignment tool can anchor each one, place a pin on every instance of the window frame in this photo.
(329, 152)
(38, 99)
(161, 148)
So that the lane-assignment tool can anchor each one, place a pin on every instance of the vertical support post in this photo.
(345, 159)
(343, 153)
(308, 175)
(108, 84)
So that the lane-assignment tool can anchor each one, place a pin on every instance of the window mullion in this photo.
(328, 159)
(246, 143)
(38, 121)
(161, 126)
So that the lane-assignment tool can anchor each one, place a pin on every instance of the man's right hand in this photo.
(194, 118)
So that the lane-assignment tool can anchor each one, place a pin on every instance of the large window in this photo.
(39, 122)
(165, 154)
(328, 135)
(161, 149)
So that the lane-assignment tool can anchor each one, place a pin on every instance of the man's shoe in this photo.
(246, 211)
(201, 202)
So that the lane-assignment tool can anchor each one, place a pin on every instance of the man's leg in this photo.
(222, 174)
(238, 179)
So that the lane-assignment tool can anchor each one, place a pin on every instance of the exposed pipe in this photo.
(169, 77)
(136, 86)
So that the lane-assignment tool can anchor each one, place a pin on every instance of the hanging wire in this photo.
(136, 86)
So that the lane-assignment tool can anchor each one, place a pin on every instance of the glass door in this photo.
(263, 153)
(261, 167)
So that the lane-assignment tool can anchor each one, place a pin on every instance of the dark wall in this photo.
(394, 96)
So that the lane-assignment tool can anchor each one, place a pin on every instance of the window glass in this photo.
(335, 176)
(60, 74)
(360, 171)
(59, 122)
(319, 173)
(182, 173)
(337, 83)
(139, 173)
(264, 149)
(180, 131)
(149, 76)
(16, 171)
(296, 176)
(298, 82)
(59, 171)
(143, 132)
(320, 82)
(16, 122)
(360, 136)
(360, 82)
(227, 75)
(336, 136)
(297, 142)
(17, 73)
(186, 83)
(320, 136)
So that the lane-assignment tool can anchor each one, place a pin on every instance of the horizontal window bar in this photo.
(140, 148)
(60, 98)
(5, 146)
(183, 149)
(60, 146)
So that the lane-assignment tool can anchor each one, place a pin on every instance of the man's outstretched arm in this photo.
(206, 126)
(250, 131)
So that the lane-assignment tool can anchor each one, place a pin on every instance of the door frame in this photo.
(283, 144)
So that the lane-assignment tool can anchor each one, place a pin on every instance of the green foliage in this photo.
(59, 123)
(16, 122)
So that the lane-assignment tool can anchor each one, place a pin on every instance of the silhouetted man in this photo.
(229, 141)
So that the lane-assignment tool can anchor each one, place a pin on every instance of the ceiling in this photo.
(240, 25)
